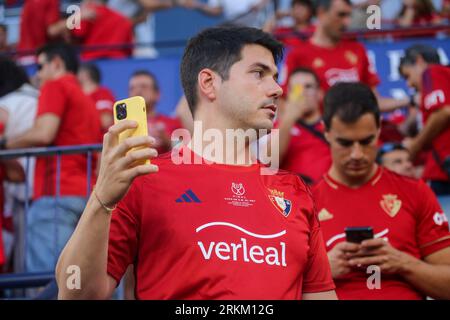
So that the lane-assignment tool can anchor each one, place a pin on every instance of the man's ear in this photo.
(206, 80)
(326, 134)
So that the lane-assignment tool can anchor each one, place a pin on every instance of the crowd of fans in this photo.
(65, 103)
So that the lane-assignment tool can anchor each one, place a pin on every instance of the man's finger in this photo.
(141, 170)
(136, 156)
(349, 246)
(133, 142)
(116, 129)
(373, 243)
(377, 260)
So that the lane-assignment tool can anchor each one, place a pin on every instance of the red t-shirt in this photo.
(79, 124)
(307, 154)
(346, 62)
(236, 234)
(168, 124)
(37, 16)
(290, 37)
(436, 95)
(104, 101)
(403, 210)
(108, 28)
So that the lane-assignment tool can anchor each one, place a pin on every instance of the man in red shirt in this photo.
(37, 24)
(65, 116)
(217, 231)
(89, 77)
(303, 148)
(143, 83)
(333, 59)
(101, 26)
(432, 80)
(410, 252)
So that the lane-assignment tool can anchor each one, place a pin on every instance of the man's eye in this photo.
(345, 143)
(258, 73)
(366, 142)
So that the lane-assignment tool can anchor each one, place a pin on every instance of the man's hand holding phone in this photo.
(120, 165)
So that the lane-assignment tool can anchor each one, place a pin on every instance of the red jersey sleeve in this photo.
(52, 99)
(123, 233)
(52, 13)
(318, 273)
(432, 225)
(369, 76)
(435, 89)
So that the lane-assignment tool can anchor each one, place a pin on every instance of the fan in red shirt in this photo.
(332, 58)
(302, 12)
(217, 229)
(303, 148)
(90, 77)
(102, 26)
(36, 23)
(411, 245)
(433, 81)
(65, 117)
(143, 83)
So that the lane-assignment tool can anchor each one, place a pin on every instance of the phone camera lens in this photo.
(121, 111)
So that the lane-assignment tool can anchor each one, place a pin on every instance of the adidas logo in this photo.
(325, 215)
(188, 196)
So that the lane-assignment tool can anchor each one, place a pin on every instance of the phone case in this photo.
(136, 111)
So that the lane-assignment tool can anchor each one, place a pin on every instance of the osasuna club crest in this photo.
(283, 205)
(390, 204)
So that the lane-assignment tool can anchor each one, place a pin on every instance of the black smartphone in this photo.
(358, 234)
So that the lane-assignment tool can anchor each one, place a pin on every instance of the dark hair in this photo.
(93, 72)
(326, 4)
(428, 53)
(349, 101)
(12, 76)
(389, 147)
(4, 27)
(64, 51)
(305, 70)
(218, 49)
(307, 3)
(143, 72)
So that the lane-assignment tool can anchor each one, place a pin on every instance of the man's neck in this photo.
(351, 183)
(151, 113)
(89, 87)
(321, 39)
(311, 118)
(219, 149)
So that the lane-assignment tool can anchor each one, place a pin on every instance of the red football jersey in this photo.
(79, 124)
(436, 95)
(233, 234)
(402, 210)
(36, 17)
(346, 62)
(109, 28)
(307, 154)
(104, 99)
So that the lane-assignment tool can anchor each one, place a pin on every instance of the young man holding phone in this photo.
(203, 231)
(411, 244)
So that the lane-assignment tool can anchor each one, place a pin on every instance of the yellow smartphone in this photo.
(132, 109)
(296, 92)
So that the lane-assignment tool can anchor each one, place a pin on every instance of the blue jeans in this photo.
(50, 223)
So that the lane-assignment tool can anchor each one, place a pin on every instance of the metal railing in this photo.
(22, 279)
